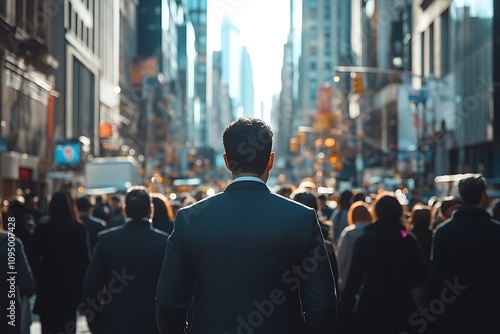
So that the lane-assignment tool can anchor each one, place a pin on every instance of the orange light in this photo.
(329, 142)
(105, 130)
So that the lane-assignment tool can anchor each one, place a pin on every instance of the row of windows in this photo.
(33, 16)
(461, 41)
(76, 25)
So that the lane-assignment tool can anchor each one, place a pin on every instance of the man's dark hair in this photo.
(305, 197)
(247, 143)
(99, 200)
(345, 199)
(83, 204)
(388, 208)
(137, 202)
(471, 189)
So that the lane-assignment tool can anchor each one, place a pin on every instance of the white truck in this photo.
(111, 175)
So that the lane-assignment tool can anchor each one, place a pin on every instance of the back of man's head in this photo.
(137, 203)
(83, 204)
(247, 144)
(471, 189)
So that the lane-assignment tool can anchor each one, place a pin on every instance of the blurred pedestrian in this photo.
(339, 216)
(358, 217)
(308, 198)
(465, 266)
(101, 209)
(176, 206)
(325, 211)
(238, 256)
(31, 205)
(18, 287)
(387, 270)
(357, 196)
(163, 216)
(285, 190)
(25, 225)
(61, 247)
(447, 205)
(116, 216)
(120, 283)
(92, 224)
(420, 221)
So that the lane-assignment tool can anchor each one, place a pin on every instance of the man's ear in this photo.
(226, 162)
(270, 163)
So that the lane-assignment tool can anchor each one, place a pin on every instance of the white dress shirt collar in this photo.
(248, 178)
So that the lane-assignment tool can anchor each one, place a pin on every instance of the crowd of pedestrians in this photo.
(250, 260)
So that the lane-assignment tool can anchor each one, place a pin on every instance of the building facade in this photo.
(27, 95)
(454, 42)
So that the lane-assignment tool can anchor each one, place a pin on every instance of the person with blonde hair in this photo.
(358, 217)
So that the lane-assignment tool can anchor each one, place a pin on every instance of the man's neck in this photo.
(261, 177)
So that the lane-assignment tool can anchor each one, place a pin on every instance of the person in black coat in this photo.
(246, 260)
(465, 267)
(16, 279)
(387, 268)
(420, 222)
(119, 286)
(61, 247)
(92, 224)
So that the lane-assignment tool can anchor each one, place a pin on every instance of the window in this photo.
(422, 53)
(83, 99)
(20, 14)
(431, 49)
(8, 10)
(30, 17)
(445, 43)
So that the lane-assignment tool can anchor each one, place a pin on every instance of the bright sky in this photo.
(264, 25)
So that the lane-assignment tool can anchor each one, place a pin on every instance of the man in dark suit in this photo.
(465, 268)
(92, 224)
(246, 260)
(120, 282)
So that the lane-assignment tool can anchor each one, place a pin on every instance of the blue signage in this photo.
(68, 153)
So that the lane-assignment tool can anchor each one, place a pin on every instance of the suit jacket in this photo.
(464, 273)
(246, 261)
(120, 283)
(94, 226)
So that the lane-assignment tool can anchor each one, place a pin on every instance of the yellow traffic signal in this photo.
(294, 145)
(302, 138)
(357, 84)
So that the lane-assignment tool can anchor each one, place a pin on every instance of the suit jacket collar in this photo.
(247, 185)
(138, 222)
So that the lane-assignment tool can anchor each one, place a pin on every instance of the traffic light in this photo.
(294, 145)
(357, 84)
(302, 138)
